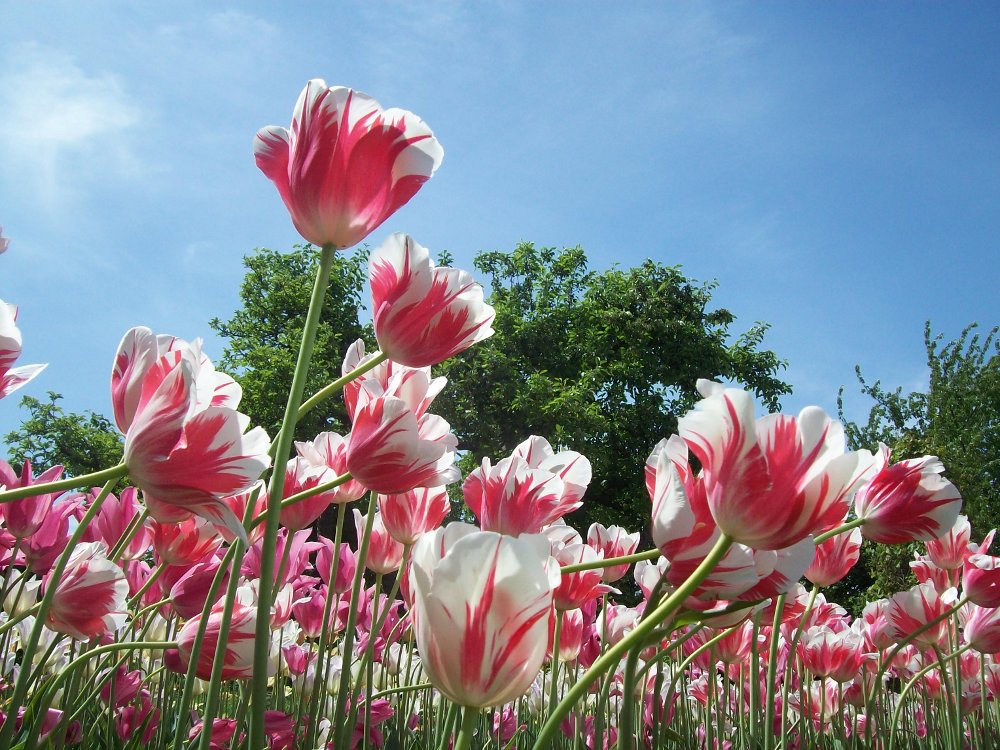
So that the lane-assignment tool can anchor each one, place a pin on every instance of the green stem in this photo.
(839, 530)
(72, 483)
(339, 383)
(651, 554)
(638, 636)
(900, 702)
(130, 531)
(470, 715)
(21, 686)
(772, 669)
(262, 641)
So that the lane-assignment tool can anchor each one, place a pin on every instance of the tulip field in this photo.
(184, 598)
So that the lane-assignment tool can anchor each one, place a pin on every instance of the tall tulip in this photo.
(346, 165)
(482, 603)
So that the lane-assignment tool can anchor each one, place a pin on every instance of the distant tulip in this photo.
(185, 444)
(981, 580)
(907, 501)
(12, 378)
(613, 541)
(408, 515)
(981, 628)
(238, 659)
(910, 610)
(412, 384)
(89, 600)
(330, 450)
(301, 475)
(949, 550)
(346, 165)
(926, 571)
(826, 653)
(385, 554)
(576, 589)
(423, 314)
(526, 492)
(390, 451)
(184, 543)
(834, 558)
(482, 606)
(24, 517)
(114, 518)
(771, 482)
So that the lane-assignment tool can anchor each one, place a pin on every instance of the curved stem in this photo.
(72, 483)
(651, 554)
(913, 681)
(262, 641)
(839, 530)
(336, 385)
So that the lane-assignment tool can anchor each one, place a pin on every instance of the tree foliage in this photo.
(598, 362)
(50, 435)
(262, 336)
(957, 419)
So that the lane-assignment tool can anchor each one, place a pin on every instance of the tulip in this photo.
(24, 517)
(950, 549)
(390, 451)
(613, 541)
(981, 628)
(482, 604)
(412, 384)
(385, 554)
(576, 589)
(408, 515)
(981, 580)
(114, 518)
(238, 658)
(328, 449)
(346, 165)
(301, 475)
(907, 501)
(184, 543)
(526, 492)
(189, 594)
(910, 610)
(423, 314)
(826, 653)
(4, 242)
(185, 445)
(89, 600)
(926, 571)
(834, 558)
(12, 378)
(773, 482)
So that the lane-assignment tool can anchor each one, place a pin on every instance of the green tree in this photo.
(50, 435)
(597, 362)
(957, 419)
(262, 337)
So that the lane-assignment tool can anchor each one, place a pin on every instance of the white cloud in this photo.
(61, 125)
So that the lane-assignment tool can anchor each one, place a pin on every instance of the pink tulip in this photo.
(24, 517)
(186, 542)
(482, 603)
(826, 653)
(571, 634)
(385, 554)
(12, 378)
(772, 482)
(131, 719)
(910, 610)
(576, 589)
(189, 594)
(526, 492)
(908, 501)
(238, 660)
(412, 384)
(981, 580)
(346, 165)
(300, 475)
(423, 314)
(834, 558)
(114, 518)
(185, 445)
(89, 599)
(950, 549)
(328, 449)
(613, 541)
(408, 515)
(927, 572)
(981, 628)
(346, 565)
(390, 451)
(43, 547)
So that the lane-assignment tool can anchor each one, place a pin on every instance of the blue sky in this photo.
(836, 167)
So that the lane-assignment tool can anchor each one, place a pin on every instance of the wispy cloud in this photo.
(62, 126)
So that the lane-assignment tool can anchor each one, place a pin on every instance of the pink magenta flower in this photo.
(114, 518)
(910, 610)
(834, 558)
(12, 378)
(89, 600)
(981, 628)
(385, 554)
(613, 541)
(330, 450)
(302, 475)
(408, 515)
(238, 659)
(412, 384)
(837, 655)
(346, 165)
(950, 549)
(186, 542)
(390, 451)
(482, 604)
(981, 580)
(423, 314)
(771, 482)
(907, 501)
(526, 492)
(576, 589)
(186, 446)
(24, 517)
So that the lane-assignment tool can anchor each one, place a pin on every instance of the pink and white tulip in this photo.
(346, 165)
(89, 600)
(423, 314)
(12, 378)
(613, 541)
(482, 604)
(408, 515)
